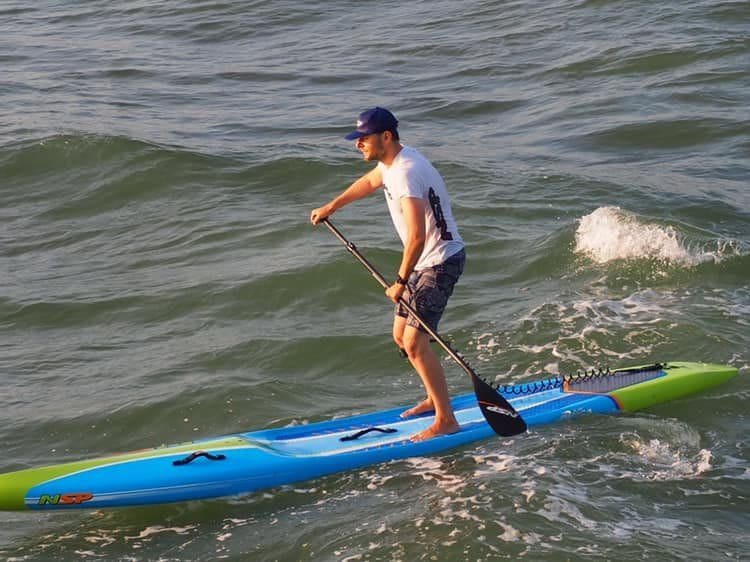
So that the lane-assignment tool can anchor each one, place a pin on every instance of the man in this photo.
(433, 256)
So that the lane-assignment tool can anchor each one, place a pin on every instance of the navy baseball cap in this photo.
(375, 120)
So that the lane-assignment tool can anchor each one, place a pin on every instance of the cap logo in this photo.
(360, 123)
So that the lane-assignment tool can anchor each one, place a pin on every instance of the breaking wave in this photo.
(610, 233)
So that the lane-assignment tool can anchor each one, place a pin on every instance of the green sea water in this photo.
(160, 281)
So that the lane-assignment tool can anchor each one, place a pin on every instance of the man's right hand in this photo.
(317, 215)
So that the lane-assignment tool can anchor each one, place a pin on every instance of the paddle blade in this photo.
(498, 412)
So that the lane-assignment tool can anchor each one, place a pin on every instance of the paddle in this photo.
(498, 412)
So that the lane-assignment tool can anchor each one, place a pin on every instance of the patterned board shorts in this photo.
(428, 290)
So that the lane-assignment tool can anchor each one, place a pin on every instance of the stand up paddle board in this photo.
(246, 462)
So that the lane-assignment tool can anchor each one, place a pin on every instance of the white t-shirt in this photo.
(412, 175)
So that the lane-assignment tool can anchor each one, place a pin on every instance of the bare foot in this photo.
(423, 407)
(436, 429)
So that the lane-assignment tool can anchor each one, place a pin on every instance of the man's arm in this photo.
(414, 211)
(363, 187)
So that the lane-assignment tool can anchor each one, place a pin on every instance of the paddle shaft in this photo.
(376, 274)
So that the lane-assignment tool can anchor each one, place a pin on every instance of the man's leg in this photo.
(426, 363)
(399, 324)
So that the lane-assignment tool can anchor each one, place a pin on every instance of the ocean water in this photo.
(160, 281)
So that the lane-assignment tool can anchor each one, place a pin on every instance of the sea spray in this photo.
(610, 234)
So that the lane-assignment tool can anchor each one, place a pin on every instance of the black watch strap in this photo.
(400, 280)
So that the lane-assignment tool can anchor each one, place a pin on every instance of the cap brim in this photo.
(356, 135)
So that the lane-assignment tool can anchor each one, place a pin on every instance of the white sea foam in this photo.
(157, 529)
(433, 470)
(610, 233)
(663, 461)
(616, 329)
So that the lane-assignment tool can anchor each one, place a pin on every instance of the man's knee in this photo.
(399, 324)
(398, 339)
(414, 341)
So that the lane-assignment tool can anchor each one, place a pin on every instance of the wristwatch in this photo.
(400, 280)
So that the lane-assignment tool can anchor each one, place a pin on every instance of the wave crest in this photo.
(610, 233)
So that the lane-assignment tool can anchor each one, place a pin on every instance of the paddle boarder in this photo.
(433, 256)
